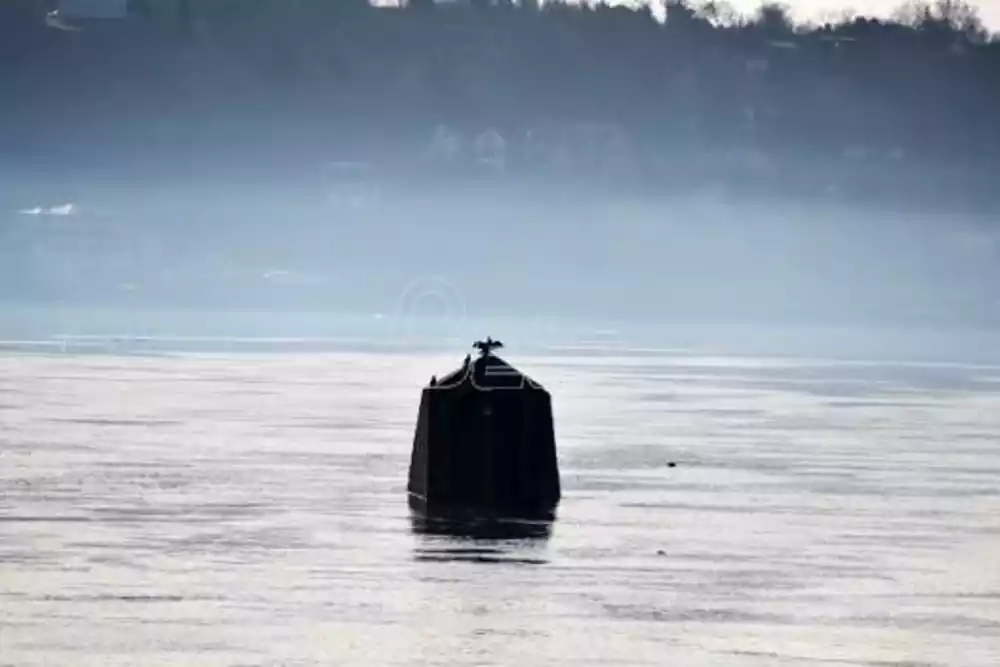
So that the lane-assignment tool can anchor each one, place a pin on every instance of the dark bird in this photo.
(487, 346)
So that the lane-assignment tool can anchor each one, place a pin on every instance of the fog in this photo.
(273, 171)
(298, 252)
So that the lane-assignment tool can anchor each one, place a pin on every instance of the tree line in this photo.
(858, 106)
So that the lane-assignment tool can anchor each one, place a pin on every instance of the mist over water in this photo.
(220, 479)
(701, 260)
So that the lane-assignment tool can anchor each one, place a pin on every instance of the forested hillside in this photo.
(859, 109)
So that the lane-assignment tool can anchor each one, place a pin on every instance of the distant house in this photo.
(446, 144)
(77, 10)
(490, 149)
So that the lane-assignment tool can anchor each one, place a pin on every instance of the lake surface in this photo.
(249, 509)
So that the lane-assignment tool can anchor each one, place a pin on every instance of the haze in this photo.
(567, 163)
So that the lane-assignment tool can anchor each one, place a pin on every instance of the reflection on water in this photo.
(475, 555)
(481, 528)
(481, 539)
(155, 512)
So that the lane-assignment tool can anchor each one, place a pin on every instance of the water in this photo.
(250, 510)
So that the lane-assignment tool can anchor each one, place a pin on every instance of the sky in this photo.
(989, 10)
(803, 10)
(812, 10)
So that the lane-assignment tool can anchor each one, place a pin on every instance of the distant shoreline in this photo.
(104, 331)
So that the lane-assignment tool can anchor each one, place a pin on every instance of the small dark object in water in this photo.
(671, 465)
(485, 443)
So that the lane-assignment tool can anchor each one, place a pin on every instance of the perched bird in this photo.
(485, 347)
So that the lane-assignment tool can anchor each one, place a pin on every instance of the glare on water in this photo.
(250, 510)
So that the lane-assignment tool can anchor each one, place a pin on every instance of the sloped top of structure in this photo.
(487, 372)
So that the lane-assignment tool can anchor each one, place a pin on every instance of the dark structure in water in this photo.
(485, 443)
